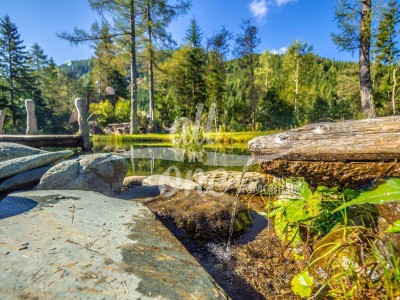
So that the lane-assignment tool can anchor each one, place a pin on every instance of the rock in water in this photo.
(102, 173)
(228, 181)
(82, 245)
(11, 150)
(174, 182)
(202, 215)
(23, 180)
(18, 165)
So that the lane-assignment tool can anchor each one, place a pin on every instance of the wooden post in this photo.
(31, 122)
(83, 125)
(2, 116)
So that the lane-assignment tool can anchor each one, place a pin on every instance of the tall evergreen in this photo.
(218, 49)
(196, 68)
(246, 49)
(156, 16)
(124, 15)
(354, 18)
(13, 67)
(388, 52)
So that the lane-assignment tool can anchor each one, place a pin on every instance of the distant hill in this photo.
(78, 68)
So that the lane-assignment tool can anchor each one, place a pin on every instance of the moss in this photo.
(243, 221)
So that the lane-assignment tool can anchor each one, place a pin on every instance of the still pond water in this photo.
(154, 158)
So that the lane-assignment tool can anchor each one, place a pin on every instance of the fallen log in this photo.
(348, 153)
(361, 140)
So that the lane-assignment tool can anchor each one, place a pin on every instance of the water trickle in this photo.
(249, 163)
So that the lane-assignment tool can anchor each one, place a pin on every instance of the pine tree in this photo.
(196, 69)
(246, 49)
(124, 15)
(387, 51)
(218, 49)
(156, 16)
(13, 66)
(354, 19)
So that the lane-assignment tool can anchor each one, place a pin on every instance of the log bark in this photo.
(353, 175)
(345, 154)
(365, 140)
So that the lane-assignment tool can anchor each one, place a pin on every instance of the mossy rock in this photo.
(202, 215)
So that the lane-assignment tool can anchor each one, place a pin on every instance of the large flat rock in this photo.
(84, 245)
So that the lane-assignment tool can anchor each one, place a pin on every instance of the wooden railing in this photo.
(32, 139)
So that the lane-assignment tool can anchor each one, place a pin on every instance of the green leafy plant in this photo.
(309, 211)
(395, 228)
(303, 284)
(389, 191)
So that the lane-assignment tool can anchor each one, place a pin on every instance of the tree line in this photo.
(139, 74)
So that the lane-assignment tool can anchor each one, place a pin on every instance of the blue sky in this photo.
(280, 23)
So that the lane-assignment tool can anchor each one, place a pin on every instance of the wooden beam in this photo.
(366, 140)
(38, 141)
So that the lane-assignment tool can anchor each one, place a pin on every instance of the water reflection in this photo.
(153, 159)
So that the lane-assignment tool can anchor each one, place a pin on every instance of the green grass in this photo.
(218, 137)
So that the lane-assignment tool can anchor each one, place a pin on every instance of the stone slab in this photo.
(84, 245)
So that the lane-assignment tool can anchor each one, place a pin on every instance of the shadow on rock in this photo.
(12, 206)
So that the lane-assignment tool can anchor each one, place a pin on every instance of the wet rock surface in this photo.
(102, 173)
(200, 214)
(84, 245)
(11, 150)
(228, 181)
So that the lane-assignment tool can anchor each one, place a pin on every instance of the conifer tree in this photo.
(13, 66)
(218, 49)
(387, 51)
(156, 16)
(246, 49)
(124, 16)
(195, 62)
(354, 19)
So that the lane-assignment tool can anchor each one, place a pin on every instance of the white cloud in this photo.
(279, 51)
(258, 9)
(283, 2)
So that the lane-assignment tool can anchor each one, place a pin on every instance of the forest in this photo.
(154, 80)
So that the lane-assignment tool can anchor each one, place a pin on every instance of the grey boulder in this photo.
(11, 150)
(228, 181)
(23, 180)
(103, 173)
(18, 165)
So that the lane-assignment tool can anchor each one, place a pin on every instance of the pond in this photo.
(160, 158)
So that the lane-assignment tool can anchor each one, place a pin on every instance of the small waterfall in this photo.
(249, 163)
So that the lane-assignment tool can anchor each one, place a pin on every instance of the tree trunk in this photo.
(134, 127)
(12, 95)
(151, 69)
(394, 90)
(253, 95)
(365, 68)
(296, 80)
(376, 139)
